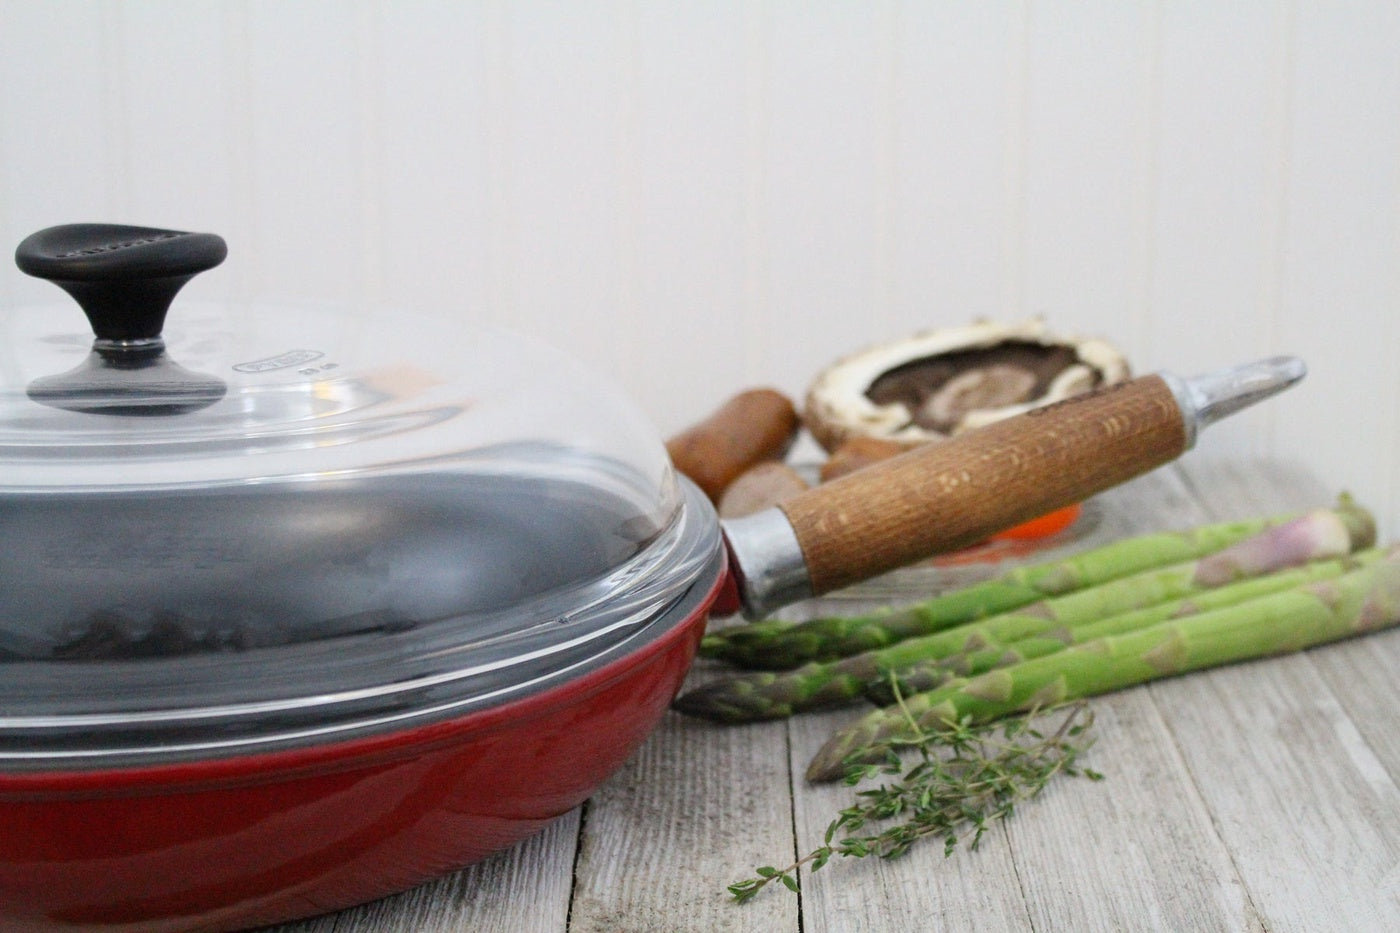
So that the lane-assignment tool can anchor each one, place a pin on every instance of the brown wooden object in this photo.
(947, 496)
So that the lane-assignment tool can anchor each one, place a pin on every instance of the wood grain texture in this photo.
(920, 891)
(1361, 674)
(691, 813)
(525, 889)
(1073, 849)
(1310, 816)
(1306, 806)
(953, 494)
(1257, 797)
(697, 197)
(1135, 852)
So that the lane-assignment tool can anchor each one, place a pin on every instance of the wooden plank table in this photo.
(1261, 796)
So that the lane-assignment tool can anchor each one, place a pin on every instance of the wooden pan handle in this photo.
(950, 495)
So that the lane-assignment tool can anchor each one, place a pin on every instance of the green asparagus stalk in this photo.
(783, 645)
(1363, 600)
(929, 675)
(1320, 534)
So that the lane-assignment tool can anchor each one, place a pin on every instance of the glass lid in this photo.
(259, 525)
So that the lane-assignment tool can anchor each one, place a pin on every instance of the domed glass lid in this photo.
(260, 521)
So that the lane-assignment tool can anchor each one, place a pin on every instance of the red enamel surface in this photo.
(240, 842)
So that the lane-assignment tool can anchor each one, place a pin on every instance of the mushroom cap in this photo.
(938, 383)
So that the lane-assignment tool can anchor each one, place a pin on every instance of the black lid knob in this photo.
(124, 277)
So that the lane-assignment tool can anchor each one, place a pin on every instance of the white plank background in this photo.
(700, 196)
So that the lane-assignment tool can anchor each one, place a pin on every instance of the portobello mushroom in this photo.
(939, 383)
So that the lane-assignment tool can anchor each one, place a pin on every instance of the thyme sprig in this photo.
(963, 779)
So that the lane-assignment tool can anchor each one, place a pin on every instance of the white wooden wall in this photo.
(700, 196)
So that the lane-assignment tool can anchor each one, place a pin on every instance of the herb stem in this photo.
(964, 779)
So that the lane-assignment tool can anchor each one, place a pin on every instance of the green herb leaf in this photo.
(964, 779)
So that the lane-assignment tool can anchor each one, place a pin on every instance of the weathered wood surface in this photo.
(1256, 797)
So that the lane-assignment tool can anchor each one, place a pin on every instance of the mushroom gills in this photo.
(940, 391)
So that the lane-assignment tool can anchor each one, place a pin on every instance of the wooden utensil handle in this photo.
(949, 495)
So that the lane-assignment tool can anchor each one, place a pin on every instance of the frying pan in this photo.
(301, 610)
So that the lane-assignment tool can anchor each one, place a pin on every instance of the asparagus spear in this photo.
(930, 675)
(782, 645)
(1361, 601)
(1319, 534)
